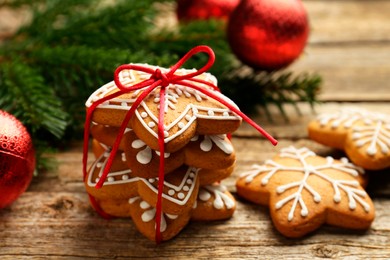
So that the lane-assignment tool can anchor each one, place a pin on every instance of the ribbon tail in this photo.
(87, 125)
(121, 132)
(235, 110)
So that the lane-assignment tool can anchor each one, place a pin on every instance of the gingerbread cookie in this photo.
(363, 135)
(179, 192)
(144, 217)
(208, 152)
(214, 202)
(187, 111)
(119, 208)
(208, 177)
(119, 183)
(304, 191)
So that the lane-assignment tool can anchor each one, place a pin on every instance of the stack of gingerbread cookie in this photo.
(197, 156)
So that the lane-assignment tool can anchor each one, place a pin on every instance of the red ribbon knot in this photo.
(162, 80)
(158, 75)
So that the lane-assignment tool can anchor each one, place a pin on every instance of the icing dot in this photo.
(106, 154)
(337, 198)
(166, 134)
(192, 175)
(123, 157)
(123, 104)
(304, 212)
(125, 177)
(181, 195)
(110, 179)
(99, 165)
(151, 124)
(181, 125)
(226, 114)
(210, 112)
(186, 188)
(156, 100)
(280, 190)
(188, 117)
(317, 198)
(97, 180)
(171, 192)
(144, 114)
(189, 181)
(151, 180)
(144, 205)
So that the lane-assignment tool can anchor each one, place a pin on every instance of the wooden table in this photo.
(349, 47)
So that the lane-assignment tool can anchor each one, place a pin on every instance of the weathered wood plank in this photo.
(296, 126)
(350, 73)
(348, 20)
(61, 225)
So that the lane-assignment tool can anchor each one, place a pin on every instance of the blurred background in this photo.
(271, 55)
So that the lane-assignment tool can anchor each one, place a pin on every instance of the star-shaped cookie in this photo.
(187, 111)
(304, 191)
(362, 134)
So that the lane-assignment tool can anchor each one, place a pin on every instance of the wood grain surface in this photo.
(349, 47)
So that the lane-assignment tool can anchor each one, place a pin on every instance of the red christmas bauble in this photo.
(205, 9)
(268, 34)
(17, 159)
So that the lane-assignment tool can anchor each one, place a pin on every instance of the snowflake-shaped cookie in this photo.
(364, 135)
(304, 191)
(187, 110)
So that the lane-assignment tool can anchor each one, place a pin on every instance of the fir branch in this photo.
(24, 94)
(263, 88)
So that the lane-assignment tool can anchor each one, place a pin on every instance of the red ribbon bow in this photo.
(162, 80)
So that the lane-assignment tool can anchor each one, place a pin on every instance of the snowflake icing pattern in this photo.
(272, 168)
(375, 132)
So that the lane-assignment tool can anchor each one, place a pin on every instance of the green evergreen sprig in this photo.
(50, 66)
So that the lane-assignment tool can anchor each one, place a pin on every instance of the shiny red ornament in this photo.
(268, 34)
(17, 159)
(205, 9)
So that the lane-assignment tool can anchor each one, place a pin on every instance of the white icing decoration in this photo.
(376, 135)
(177, 188)
(220, 200)
(271, 168)
(220, 141)
(145, 155)
(173, 93)
(150, 213)
(345, 117)
(111, 177)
